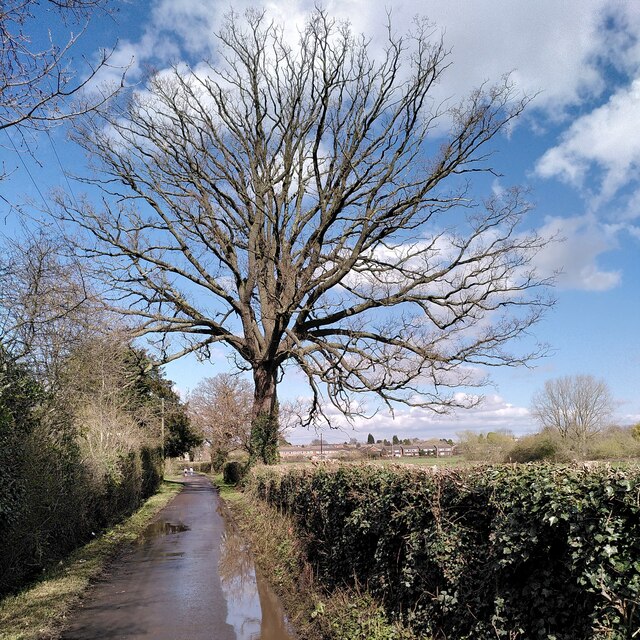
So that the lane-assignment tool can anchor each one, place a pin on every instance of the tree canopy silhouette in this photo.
(308, 204)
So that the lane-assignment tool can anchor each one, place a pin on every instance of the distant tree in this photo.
(46, 307)
(576, 407)
(220, 407)
(118, 398)
(370, 439)
(150, 387)
(311, 206)
(491, 447)
(180, 436)
(97, 385)
(504, 435)
(395, 440)
(386, 443)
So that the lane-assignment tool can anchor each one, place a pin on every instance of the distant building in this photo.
(372, 450)
(315, 452)
(411, 450)
(435, 448)
(393, 451)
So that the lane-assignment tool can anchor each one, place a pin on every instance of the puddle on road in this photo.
(253, 609)
(156, 529)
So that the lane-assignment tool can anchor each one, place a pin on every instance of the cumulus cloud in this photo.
(581, 240)
(554, 48)
(493, 414)
(603, 139)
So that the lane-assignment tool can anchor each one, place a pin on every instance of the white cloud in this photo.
(493, 414)
(630, 419)
(630, 210)
(552, 47)
(560, 51)
(605, 139)
(581, 241)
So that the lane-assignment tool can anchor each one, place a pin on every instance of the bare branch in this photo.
(310, 205)
(38, 86)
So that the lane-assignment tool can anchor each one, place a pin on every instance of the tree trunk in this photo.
(264, 417)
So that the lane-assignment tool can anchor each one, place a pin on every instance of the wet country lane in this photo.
(189, 577)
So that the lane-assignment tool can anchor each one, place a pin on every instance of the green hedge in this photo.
(177, 466)
(522, 552)
(137, 477)
(50, 501)
(234, 472)
(58, 507)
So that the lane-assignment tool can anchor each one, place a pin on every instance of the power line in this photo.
(64, 173)
(26, 168)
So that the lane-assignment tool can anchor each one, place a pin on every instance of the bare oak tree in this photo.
(577, 407)
(310, 205)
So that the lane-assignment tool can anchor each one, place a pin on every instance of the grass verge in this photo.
(343, 614)
(39, 612)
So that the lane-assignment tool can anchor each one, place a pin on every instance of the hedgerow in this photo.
(50, 501)
(533, 551)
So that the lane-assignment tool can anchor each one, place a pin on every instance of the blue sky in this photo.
(577, 149)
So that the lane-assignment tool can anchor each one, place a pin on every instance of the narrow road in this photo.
(188, 578)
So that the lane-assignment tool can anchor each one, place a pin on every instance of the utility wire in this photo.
(64, 173)
(26, 168)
